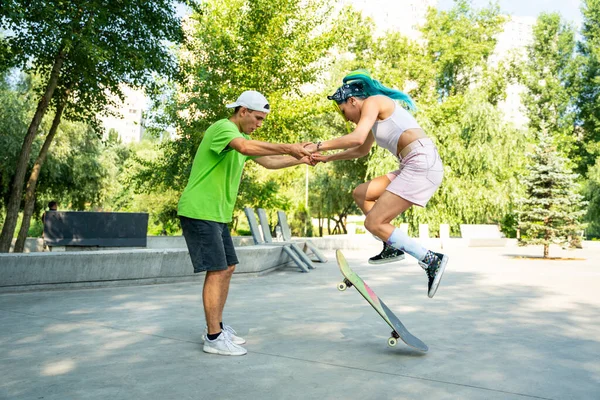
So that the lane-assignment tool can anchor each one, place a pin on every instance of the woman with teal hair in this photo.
(379, 118)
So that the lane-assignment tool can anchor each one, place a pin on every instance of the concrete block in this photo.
(482, 235)
(423, 231)
(444, 231)
(30, 271)
(404, 228)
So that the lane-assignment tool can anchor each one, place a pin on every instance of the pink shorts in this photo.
(420, 174)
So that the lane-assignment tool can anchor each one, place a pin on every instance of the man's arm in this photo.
(258, 148)
(278, 162)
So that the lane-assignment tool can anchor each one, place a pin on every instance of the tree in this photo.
(548, 73)
(459, 44)
(592, 194)
(85, 49)
(587, 84)
(6, 56)
(35, 173)
(275, 47)
(551, 209)
(331, 192)
(16, 107)
(73, 174)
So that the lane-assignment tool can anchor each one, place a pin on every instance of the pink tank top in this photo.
(387, 131)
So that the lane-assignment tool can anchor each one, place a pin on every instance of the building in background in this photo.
(513, 41)
(128, 121)
(404, 16)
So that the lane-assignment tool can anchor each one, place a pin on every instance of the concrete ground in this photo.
(500, 327)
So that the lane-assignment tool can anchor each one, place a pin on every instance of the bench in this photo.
(483, 235)
(286, 234)
(71, 229)
(291, 249)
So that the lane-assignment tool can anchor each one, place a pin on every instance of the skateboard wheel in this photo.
(342, 286)
(392, 342)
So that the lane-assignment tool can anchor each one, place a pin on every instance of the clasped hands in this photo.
(307, 153)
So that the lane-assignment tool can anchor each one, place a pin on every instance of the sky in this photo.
(569, 9)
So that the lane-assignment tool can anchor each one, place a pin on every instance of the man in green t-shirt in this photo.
(206, 206)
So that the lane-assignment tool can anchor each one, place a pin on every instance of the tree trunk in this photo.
(546, 250)
(320, 225)
(16, 190)
(33, 178)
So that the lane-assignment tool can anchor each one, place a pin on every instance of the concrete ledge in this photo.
(347, 242)
(95, 268)
(165, 261)
(35, 245)
(34, 271)
(178, 242)
(487, 242)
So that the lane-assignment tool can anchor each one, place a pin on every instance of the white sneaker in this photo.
(223, 346)
(232, 335)
(229, 331)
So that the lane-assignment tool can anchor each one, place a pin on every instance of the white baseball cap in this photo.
(252, 100)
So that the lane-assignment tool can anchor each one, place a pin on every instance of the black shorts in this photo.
(209, 243)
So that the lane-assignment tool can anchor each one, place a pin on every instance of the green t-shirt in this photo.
(214, 182)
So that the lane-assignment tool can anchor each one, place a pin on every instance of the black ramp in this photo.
(87, 228)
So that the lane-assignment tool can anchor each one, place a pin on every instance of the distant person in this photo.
(379, 118)
(52, 206)
(206, 206)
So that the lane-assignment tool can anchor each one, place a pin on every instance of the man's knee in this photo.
(231, 269)
(218, 275)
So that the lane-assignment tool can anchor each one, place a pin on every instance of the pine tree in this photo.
(552, 208)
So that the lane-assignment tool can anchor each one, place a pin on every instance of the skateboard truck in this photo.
(344, 285)
(394, 339)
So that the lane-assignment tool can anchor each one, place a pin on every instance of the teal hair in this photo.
(372, 87)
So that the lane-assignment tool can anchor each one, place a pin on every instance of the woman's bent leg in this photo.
(365, 196)
(388, 207)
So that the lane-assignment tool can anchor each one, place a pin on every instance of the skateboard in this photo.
(399, 331)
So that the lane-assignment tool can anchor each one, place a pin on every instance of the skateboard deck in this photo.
(399, 331)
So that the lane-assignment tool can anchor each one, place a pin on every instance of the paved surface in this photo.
(500, 327)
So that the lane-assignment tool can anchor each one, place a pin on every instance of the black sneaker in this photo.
(388, 254)
(434, 264)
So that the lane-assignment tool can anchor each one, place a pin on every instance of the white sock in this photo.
(402, 241)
